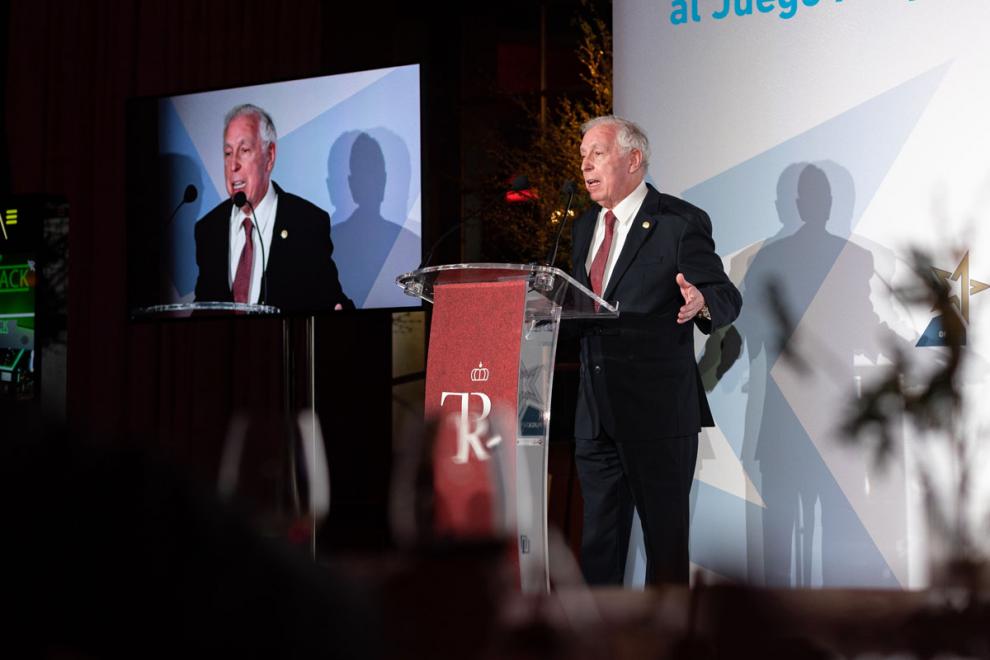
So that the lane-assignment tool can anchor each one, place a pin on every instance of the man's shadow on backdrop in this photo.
(806, 512)
(369, 194)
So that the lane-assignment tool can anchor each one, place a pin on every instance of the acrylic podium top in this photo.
(549, 288)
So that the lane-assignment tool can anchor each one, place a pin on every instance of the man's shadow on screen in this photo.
(364, 240)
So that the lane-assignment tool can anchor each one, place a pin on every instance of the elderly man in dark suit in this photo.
(641, 403)
(272, 232)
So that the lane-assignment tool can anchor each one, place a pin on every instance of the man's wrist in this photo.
(705, 313)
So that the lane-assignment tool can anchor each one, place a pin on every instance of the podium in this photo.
(492, 345)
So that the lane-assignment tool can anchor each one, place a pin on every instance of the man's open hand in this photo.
(693, 300)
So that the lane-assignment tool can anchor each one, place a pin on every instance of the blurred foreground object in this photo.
(117, 555)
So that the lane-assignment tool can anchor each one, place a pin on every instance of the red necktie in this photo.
(597, 273)
(242, 279)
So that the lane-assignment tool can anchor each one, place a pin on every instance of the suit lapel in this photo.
(584, 232)
(219, 236)
(275, 243)
(642, 226)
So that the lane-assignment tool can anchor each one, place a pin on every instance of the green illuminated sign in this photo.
(8, 217)
(13, 365)
(17, 314)
(15, 279)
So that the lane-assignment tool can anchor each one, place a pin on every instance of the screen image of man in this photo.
(641, 403)
(275, 248)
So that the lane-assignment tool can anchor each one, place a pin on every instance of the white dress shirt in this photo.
(624, 212)
(264, 225)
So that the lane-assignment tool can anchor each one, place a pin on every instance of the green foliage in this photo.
(524, 232)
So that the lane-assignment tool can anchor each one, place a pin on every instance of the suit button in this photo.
(597, 369)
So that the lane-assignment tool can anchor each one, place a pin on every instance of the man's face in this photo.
(610, 174)
(247, 165)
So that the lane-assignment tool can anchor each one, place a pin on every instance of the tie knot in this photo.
(609, 221)
(247, 224)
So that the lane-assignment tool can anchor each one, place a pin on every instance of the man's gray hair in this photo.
(628, 134)
(266, 127)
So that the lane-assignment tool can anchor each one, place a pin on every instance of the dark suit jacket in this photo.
(639, 376)
(301, 272)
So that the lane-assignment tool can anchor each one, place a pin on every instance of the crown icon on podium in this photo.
(480, 373)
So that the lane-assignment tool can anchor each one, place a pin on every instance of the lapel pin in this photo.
(285, 233)
(646, 224)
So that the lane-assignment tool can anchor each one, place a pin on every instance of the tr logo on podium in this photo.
(468, 439)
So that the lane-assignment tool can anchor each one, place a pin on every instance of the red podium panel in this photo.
(472, 372)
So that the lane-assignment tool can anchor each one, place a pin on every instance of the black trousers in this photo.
(653, 475)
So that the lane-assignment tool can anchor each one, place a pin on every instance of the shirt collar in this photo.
(626, 210)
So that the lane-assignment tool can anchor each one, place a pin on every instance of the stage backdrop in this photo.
(826, 138)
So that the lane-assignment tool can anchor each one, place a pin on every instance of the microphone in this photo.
(188, 196)
(436, 244)
(240, 199)
(519, 184)
(570, 188)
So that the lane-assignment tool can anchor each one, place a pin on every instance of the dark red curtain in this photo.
(71, 66)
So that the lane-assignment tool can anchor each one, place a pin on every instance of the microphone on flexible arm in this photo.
(188, 197)
(570, 188)
(436, 244)
(519, 184)
(240, 199)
